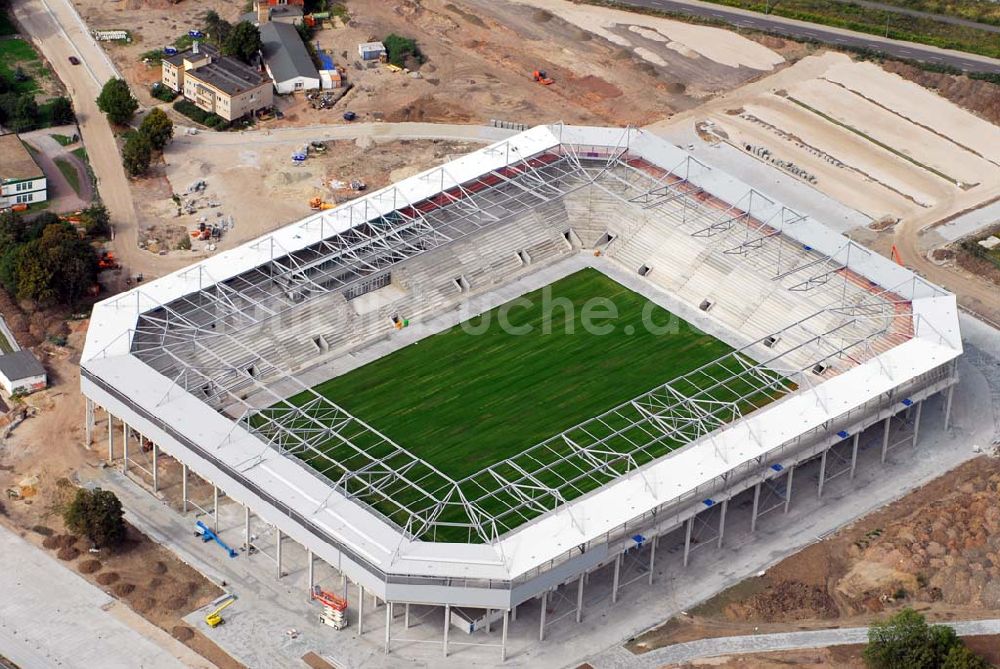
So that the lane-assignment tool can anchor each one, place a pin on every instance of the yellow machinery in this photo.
(318, 204)
(214, 619)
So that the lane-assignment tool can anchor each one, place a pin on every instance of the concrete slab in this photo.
(49, 617)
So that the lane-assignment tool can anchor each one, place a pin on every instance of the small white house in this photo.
(286, 60)
(21, 179)
(21, 372)
(371, 50)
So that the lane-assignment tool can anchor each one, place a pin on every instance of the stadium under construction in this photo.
(238, 368)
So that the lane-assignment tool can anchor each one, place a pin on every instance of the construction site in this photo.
(314, 381)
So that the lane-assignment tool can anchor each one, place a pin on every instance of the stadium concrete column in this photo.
(489, 612)
(277, 551)
(614, 582)
(124, 446)
(885, 438)
(503, 637)
(722, 521)
(788, 487)
(246, 528)
(756, 506)
(854, 453)
(388, 625)
(687, 539)
(541, 619)
(447, 624)
(111, 437)
(652, 557)
(822, 474)
(88, 422)
(579, 599)
(184, 488)
(361, 609)
(311, 569)
(947, 406)
(215, 508)
(916, 421)
(513, 613)
(124, 435)
(156, 473)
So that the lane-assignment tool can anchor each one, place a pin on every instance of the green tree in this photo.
(57, 267)
(96, 220)
(906, 641)
(117, 101)
(960, 657)
(96, 514)
(25, 115)
(136, 153)
(399, 48)
(61, 111)
(217, 28)
(158, 128)
(243, 41)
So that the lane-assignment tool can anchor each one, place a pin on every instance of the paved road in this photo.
(379, 131)
(766, 643)
(57, 30)
(836, 36)
(51, 617)
(60, 193)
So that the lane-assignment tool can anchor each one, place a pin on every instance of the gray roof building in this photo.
(286, 57)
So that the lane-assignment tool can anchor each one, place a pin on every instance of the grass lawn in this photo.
(14, 52)
(69, 171)
(462, 402)
(62, 139)
(80, 153)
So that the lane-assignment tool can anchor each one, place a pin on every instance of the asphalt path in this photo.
(811, 31)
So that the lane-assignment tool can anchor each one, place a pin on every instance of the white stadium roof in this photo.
(161, 408)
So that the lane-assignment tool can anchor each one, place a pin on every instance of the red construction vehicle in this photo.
(107, 260)
(540, 77)
(334, 608)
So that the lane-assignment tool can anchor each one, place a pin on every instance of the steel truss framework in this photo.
(199, 341)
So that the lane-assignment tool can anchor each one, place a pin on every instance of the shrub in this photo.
(398, 49)
(906, 640)
(161, 92)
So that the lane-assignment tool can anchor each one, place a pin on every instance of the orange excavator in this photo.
(543, 79)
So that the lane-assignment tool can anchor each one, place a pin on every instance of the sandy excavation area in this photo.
(253, 188)
(868, 138)
(153, 24)
(479, 58)
(936, 550)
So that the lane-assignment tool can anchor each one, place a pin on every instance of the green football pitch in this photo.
(487, 390)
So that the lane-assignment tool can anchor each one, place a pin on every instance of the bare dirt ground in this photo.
(153, 24)
(870, 139)
(49, 445)
(842, 657)
(257, 186)
(479, 58)
(936, 550)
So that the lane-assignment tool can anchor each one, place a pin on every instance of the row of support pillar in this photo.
(511, 614)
